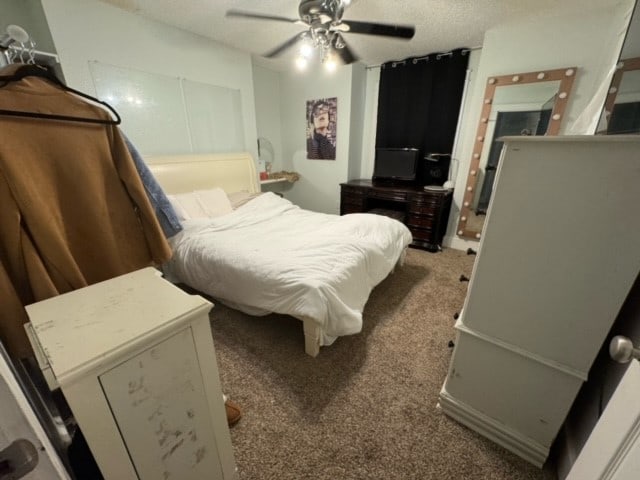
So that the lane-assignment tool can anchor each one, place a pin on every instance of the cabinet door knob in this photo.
(622, 350)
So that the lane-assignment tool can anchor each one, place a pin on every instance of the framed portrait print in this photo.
(322, 116)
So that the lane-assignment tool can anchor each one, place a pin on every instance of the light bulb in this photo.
(330, 64)
(301, 63)
(306, 50)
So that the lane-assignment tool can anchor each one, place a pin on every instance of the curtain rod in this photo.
(416, 59)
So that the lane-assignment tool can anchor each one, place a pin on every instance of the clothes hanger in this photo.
(32, 70)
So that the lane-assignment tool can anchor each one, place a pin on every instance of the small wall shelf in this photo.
(272, 180)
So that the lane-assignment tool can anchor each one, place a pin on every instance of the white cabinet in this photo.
(134, 357)
(558, 256)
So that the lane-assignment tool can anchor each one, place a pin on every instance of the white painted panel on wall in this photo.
(215, 117)
(150, 105)
(167, 115)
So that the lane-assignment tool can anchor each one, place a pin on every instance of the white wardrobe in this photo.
(558, 255)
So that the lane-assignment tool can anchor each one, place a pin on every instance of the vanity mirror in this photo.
(531, 103)
(621, 113)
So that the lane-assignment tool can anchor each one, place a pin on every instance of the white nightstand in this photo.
(135, 360)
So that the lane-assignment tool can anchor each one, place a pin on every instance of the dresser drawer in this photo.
(424, 208)
(352, 199)
(420, 221)
(344, 209)
(353, 191)
(392, 195)
(424, 234)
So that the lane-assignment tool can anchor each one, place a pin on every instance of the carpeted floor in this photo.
(365, 408)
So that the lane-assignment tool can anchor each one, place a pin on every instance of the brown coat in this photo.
(73, 210)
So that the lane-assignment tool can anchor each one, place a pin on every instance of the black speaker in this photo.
(434, 168)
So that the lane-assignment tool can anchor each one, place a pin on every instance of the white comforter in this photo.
(272, 256)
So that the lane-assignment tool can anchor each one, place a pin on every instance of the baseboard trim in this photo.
(495, 431)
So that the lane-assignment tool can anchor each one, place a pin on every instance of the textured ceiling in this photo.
(441, 25)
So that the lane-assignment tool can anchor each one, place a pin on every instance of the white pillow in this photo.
(214, 201)
(201, 204)
(237, 199)
(186, 206)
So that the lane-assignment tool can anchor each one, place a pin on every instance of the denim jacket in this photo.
(165, 213)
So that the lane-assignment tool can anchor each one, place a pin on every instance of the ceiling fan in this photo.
(324, 29)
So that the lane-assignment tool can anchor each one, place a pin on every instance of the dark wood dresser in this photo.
(425, 212)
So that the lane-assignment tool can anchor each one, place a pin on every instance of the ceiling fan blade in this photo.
(345, 54)
(259, 16)
(398, 31)
(288, 44)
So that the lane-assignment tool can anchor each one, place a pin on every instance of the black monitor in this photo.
(396, 164)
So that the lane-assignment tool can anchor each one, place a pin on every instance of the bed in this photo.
(267, 255)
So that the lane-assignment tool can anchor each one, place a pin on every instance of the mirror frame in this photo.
(625, 65)
(566, 77)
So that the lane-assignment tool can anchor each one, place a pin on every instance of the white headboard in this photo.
(233, 172)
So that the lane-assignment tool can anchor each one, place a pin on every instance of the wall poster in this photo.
(322, 118)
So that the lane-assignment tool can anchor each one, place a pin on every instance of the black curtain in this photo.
(419, 102)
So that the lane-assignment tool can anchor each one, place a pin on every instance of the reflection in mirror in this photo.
(621, 112)
(519, 104)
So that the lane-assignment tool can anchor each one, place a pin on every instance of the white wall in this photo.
(586, 40)
(266, 86)
(358, 103)
(29, 15)
(85, 30)
(319, 186)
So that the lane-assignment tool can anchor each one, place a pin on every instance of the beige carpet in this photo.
(365, 408)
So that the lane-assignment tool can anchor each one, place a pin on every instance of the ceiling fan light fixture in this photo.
(324, 29)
